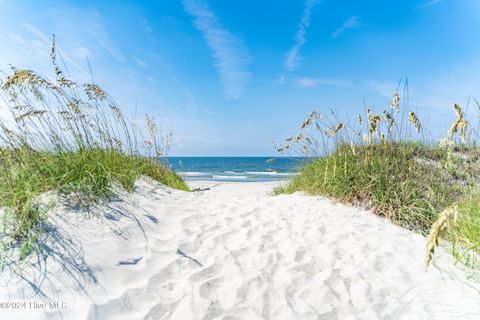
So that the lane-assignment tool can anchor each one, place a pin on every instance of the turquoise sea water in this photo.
(236, 168)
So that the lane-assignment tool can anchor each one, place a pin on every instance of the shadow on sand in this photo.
(59, 255)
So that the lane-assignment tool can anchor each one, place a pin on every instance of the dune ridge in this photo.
(234, 251)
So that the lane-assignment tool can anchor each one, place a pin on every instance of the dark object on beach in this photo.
(129, 262)
(183, 254)
(206, 189)
(200, 189)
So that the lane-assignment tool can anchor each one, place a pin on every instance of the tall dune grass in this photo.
(69, 138)
(381, 161)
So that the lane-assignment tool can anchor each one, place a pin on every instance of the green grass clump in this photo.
(68, 138)
(162, 174)
(380, 162)
(388, 178)
(465, 234)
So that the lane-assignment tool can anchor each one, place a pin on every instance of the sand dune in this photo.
(234, 252)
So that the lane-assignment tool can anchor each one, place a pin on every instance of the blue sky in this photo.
(230, 77)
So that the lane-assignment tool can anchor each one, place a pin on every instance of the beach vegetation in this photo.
(384, 162)
(57, 135)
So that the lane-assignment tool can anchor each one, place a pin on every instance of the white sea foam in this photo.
(235, 175)
(264, 173)
(194, 174)
(229, 177)
(271, 173)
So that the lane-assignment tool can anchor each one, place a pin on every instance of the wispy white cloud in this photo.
(85, 25)
(314, 82)
(350, 23)
(382, 87)
(293, 56)
(42, 44)
(429, 3)
(230, 54)
(35, 31)
(77, 27)
(94, 25)
(306, 83)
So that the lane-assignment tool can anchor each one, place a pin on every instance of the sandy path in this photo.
(236, 252)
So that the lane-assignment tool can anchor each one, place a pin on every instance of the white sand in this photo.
(235, 252)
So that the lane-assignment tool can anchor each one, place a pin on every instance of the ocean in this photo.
(236, 168)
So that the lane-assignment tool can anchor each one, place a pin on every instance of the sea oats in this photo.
(63, 138)
(382, 138)
(93, 91)
(339, 127)
(299, 138)
(65, 82)
(413, 119)
(367, 138)
(373, 124)
(306, 123)
(389, 153)
(33, 113)
(152, 127)
(148, 144)
(116, 110)
(395, 105)
(458, 126)
(390, 120)
(446, 220)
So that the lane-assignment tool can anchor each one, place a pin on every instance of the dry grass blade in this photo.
(395, 105)
(390, 120)
(413, 119)
(445, 220)
(93, 91)
(299, 138)
(33, 113)
(373, 123)
(306, 123)
(339, 127)
(459, 125)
